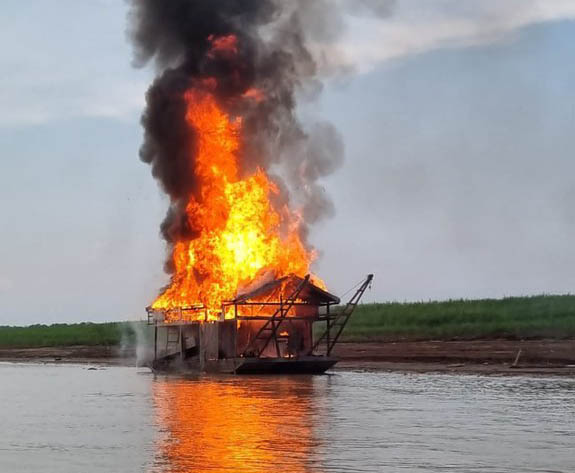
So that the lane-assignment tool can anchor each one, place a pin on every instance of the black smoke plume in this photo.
(273, 56)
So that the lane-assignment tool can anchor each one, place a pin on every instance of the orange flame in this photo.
(223, 44)
(240, 233)
(254, 94)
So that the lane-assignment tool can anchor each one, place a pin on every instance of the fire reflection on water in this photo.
(238, 424)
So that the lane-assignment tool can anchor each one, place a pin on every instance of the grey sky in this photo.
(458, 180)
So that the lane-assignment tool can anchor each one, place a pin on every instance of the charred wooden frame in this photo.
(239, 339)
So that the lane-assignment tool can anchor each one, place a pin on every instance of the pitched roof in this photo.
(285, 286)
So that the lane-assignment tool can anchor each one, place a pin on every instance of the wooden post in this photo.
(181, 343)
(235, 343)
(275, 328)
(155, 340)
(328, 330)
(514, 365)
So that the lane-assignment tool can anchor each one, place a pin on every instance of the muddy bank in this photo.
(72, 354)
(556, 357)
(475, 356)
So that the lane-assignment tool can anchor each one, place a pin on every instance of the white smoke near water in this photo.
(136, 340)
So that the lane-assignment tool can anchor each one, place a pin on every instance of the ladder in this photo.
(339, 320)
(269, 330)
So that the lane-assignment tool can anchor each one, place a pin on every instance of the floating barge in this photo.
(259, 332)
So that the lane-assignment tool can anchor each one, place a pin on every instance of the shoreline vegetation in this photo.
(544, 316)
(512, 336)
(514, 318)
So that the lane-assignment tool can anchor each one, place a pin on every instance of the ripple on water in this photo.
(69, 419)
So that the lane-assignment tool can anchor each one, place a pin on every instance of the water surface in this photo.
(72, 419)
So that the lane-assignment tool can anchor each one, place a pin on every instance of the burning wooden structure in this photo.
(241, 173)
(269, 329)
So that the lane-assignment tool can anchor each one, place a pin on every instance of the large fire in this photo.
(240, 234)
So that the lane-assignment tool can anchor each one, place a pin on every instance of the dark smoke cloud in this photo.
(275, 40)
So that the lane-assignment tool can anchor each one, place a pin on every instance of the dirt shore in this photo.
(71, 354)
(544, 357)
(498, 356)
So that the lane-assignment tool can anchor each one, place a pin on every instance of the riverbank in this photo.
(544, 316)
(102, 355)
(511, 335)
(518, 318)
(499, 356)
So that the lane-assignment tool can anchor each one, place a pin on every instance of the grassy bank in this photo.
(108, 334)
(515, 317)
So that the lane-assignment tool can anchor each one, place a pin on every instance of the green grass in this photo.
(109, 334)
(514, 317)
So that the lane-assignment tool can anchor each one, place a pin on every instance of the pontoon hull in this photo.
(302, 365)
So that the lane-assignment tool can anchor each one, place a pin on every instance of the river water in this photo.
(62, 418)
